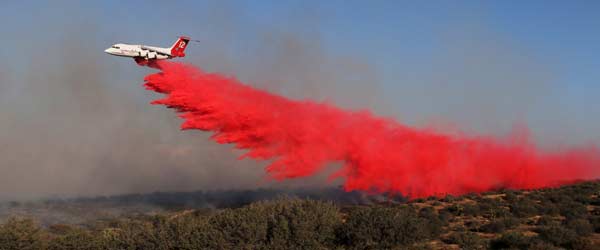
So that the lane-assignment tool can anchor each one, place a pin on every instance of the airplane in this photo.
(143, 54)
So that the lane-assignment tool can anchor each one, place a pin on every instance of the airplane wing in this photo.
(156, 50)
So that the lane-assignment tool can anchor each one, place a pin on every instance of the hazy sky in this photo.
(482, 66)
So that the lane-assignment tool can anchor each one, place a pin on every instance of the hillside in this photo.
(556, 218)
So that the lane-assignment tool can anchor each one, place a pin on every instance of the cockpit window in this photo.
(115, 47)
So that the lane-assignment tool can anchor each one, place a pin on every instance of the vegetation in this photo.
(560, 218)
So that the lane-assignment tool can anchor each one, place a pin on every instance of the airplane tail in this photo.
(179, 46)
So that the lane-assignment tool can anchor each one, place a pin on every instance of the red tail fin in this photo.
(179, 46)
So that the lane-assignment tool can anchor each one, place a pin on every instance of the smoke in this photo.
(380, 155)
(75, 124)
(88, 209)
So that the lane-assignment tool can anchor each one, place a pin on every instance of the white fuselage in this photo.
(139, 51)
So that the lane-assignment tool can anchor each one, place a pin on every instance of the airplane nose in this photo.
(111, 51)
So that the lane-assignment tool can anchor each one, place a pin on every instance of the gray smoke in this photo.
(78, 122)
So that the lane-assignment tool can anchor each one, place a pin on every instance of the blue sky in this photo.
(411, 46)
(564, 32)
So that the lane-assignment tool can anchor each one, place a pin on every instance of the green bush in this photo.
(583, 244)
(245, 228)
(75, 239)
(134, 234)
(193, 232)
(511, 240)
(434, 222)
(496, 226)
(384, 228)
(557, 235)
(595, 221)
(455, 209)
(541, 245)
(473, 225)
(573, 210)
(548, 208)
(160, 232)
(557, 197)
(467, 240)
(500, 225)
(21, 234)
(445, 217)
(471, 210)
(493, 208)
(449, 198)
(524, 207)
(546, 220)
(282, 224)
(581, 226)
(510, 196)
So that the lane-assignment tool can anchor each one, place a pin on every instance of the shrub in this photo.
(383, 228)
(580, 226)
(428, 213)
(286, 223)
(455, 209)
(445, 217)
(557, 235)
(473, 225)
(192, 232)
(524, 207)
(500, 225)
(280, 224)
(511, 222)
(595, 221)
(583, 244)
(546, 220)
(541, 245)
(435, 224)
(432, 198)
(510, 196)
(418, 200)
(472, 196)
(492, 208)
(557, 197)
(511, 240)
(548, 208)
(244, 228)
(21, 234)
(467, 240)
(573, 210)
(471, 209)
(134, 234)
(75, 239)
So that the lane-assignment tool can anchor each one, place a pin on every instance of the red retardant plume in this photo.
(299, 138)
